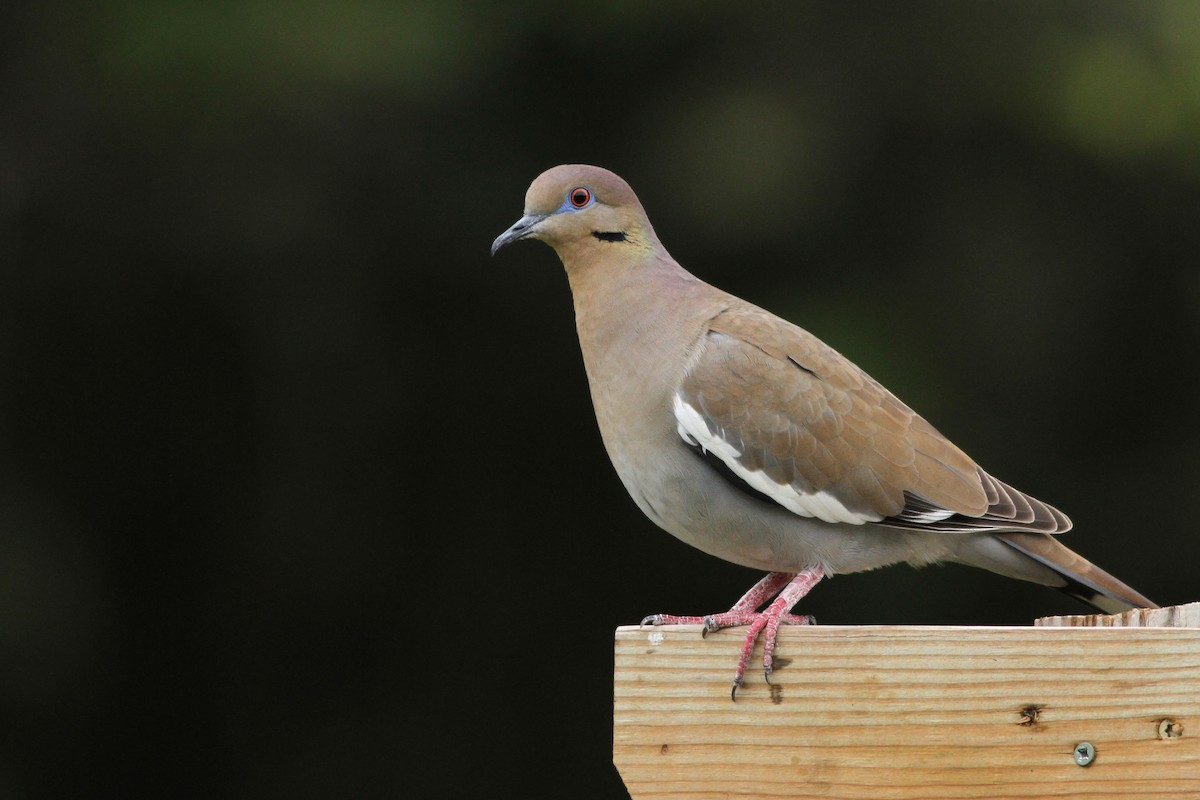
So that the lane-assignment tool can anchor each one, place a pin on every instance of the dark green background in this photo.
(300, 492)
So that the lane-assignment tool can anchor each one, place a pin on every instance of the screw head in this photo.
(1084, 753)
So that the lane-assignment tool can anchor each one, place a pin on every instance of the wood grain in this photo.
(1185, 616)
(910, 712)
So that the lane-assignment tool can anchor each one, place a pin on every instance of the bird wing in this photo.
(792, 419)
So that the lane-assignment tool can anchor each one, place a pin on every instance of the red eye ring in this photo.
(580, 196)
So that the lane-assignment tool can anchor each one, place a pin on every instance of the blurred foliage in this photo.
(287, 464)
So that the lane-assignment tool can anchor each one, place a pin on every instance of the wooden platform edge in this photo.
(912, 711)
(1185, 616)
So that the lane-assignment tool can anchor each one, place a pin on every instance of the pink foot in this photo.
(790, 589)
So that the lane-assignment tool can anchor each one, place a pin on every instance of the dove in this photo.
(749, 438)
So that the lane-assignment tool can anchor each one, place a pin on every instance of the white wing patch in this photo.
(933, 515)
(824, 506)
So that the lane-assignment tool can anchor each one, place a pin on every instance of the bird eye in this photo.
(580, 196)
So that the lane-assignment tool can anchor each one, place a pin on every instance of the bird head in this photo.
(576, 206)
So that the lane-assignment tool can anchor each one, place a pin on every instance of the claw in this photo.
(790, 587)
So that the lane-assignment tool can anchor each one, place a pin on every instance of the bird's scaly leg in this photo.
(790, 588)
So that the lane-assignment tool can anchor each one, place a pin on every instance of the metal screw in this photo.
(1085, 753)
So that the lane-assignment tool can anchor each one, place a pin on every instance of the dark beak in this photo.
(520, 229)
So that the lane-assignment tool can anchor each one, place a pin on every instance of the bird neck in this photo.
(621, 302)
(615, 283)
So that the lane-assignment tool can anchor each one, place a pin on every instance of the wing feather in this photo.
(801, 424)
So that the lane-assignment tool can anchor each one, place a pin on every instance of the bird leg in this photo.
(790, 588)
(759, 593)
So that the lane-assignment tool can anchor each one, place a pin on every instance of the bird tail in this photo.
(1079, 577)
(1040, 558)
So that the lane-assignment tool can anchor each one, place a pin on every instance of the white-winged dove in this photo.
(749, 438)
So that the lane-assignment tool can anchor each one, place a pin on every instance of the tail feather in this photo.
(1077, 576)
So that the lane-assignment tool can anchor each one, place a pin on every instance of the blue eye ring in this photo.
(579, 197)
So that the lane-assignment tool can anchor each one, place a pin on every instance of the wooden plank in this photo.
(1185, 616)
(910, 712)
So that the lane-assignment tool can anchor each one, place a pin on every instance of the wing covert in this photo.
(800, 423)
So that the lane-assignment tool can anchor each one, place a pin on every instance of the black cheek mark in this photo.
(610, 236)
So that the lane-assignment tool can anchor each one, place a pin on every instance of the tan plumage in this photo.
(809, 417)
(749, 438)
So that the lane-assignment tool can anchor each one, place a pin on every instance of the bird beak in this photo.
(520, 229)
